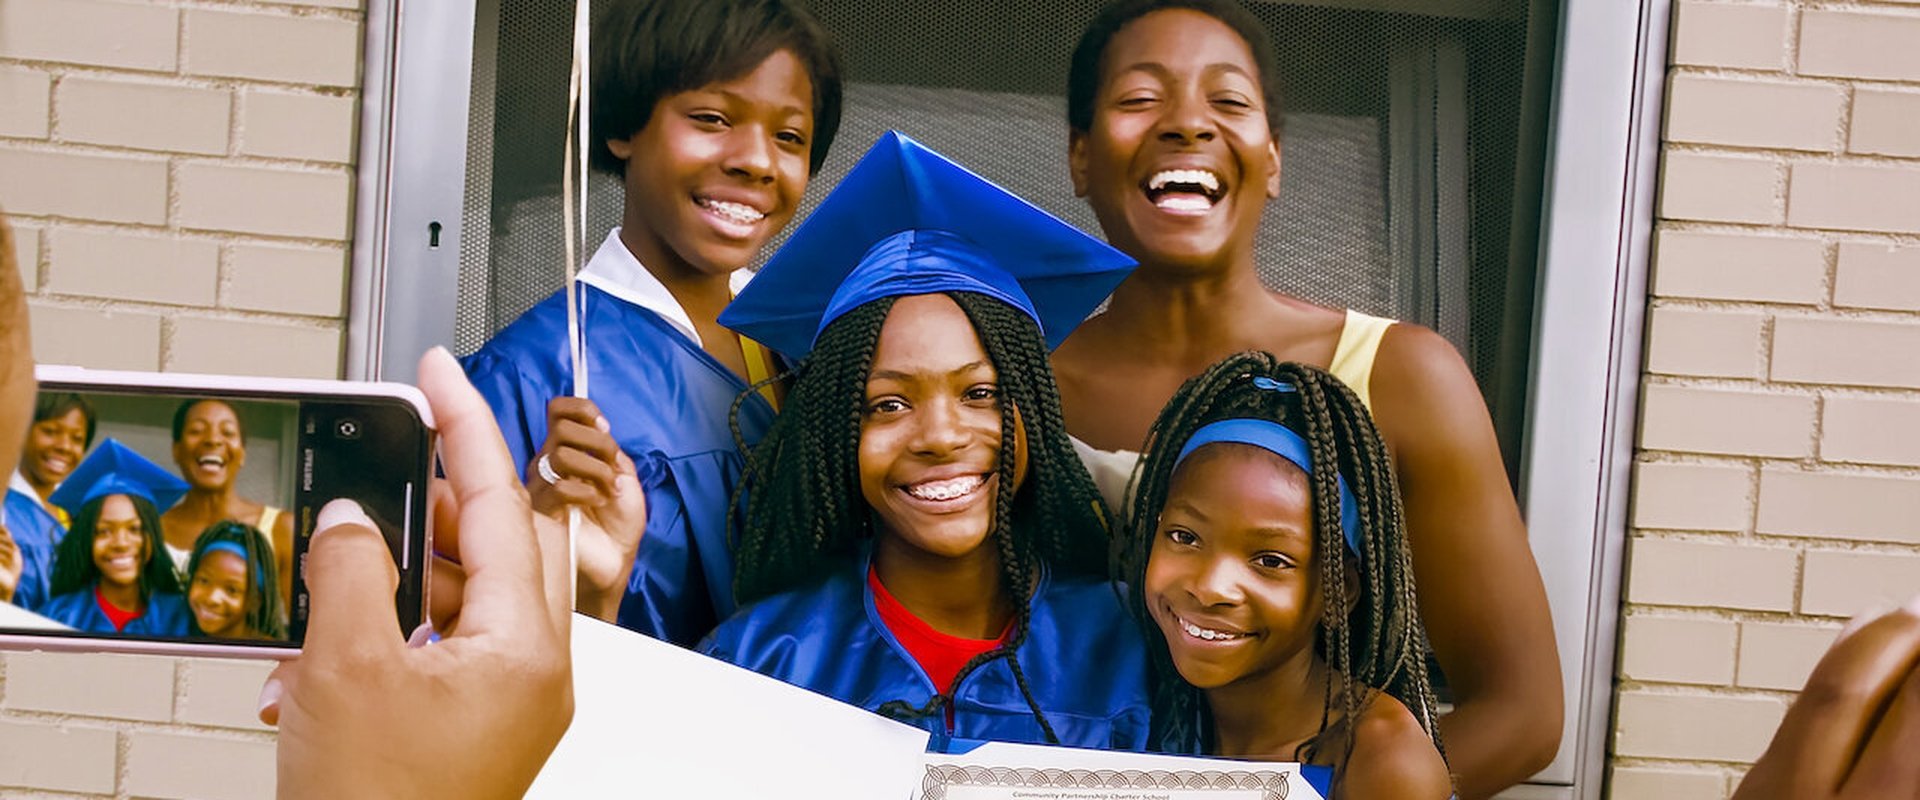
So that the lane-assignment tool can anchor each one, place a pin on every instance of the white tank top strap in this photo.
(1353, 357)
(1111, 470)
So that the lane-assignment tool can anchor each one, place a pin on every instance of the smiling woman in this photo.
(210, 448)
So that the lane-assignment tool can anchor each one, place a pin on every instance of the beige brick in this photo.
(24, 106)
(87, 187)
(287, 280)
(215, 196)
(91, 684)
(1850, 44)
(1870, 430)
(1695, 420)
(1720, 266)
(1839, 505)
(1730, 35)
(1877, 276)
(1695, 727)
(1667, 783)
(1674, 572)
(242, 347)
(178, 765)
(1885, 122)
(223, 694)
(26, 253)
(1747, 113)
(146, 116)
(60, 757)
(129, 267)
(311, 127)
(96, 32)
(1844, 583)
(1701, 497)
(96, 338)
(1678, 650)
(1855, 197)
(1778, 656)
(273, 47)
(1720, 188)
(1846, 351)
(1718, 344)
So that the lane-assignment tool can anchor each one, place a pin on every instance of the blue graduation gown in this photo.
(668, 403)
(166, 614)
(37, 533)
(1083, 658)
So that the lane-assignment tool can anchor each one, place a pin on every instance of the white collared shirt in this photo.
(614, 269)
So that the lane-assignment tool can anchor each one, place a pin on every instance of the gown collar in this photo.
(615, 270)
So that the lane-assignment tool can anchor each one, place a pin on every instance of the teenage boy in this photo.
(715, 113)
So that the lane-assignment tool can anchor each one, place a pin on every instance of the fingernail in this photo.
(269, 696)
(423, 635)
(602, 423)
(341, 512)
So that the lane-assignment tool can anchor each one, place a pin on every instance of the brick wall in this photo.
(180, 175)
(1778, 484)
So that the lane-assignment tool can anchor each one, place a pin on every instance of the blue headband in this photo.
(1279, 440)
(223, 546)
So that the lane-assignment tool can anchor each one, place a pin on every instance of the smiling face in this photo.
(210, 450)
(930, 431)
(54, 447)
(1179, 160)
(218, 594)
(1231, 581)
(120, 543)
(718, 170)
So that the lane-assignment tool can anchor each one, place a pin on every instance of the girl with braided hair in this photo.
(1275, 583)
(919, 538)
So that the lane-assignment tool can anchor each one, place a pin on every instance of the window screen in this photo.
(1411, 163)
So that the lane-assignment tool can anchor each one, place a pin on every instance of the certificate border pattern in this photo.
(1273, 784)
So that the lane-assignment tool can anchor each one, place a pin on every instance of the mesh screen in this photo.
(1411, 155)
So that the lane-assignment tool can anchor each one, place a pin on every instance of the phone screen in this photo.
(171, 516)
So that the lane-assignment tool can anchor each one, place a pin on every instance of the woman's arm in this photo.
(1481, 596)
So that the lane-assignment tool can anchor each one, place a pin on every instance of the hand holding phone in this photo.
(474, 715)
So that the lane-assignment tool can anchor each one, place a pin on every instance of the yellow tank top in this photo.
(1353, 356)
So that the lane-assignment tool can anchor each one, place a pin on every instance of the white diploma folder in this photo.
(652, 720)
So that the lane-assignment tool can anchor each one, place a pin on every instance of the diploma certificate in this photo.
(1000, 771)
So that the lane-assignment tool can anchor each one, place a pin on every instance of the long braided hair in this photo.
(804, 514)
(1379, 644)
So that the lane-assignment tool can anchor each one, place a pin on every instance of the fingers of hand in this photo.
(557, 566)
(275, 689)
(449, 584)
(444, 513)
(584, 436)
(350, 581)
(576, 409)
(1827, 724)
(1887, 767)
(584, 479)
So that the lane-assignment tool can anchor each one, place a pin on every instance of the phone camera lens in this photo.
(348, 428)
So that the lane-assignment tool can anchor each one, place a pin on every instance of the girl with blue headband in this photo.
(229, 580)
(111, 573)
(1275, 584)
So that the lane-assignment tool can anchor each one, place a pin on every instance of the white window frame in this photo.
(1597, 219)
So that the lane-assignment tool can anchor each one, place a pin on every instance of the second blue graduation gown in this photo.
(36, 533)
(667, 401)
(1083, 658)
(166, 614)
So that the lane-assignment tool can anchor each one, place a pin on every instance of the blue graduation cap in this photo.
(908, 221)
(114, 468)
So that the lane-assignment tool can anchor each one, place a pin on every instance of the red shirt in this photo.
(115, 614)
(941, 655)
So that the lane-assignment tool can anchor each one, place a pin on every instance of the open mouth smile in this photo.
(1184, 191)
(1209, 634)
(738, 217)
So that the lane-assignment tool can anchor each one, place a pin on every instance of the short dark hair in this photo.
(52, 405)
(180, 416)
(73, 567)
(644, 50)
(1083, 76)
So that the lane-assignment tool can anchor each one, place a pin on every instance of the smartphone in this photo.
(171, 513)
